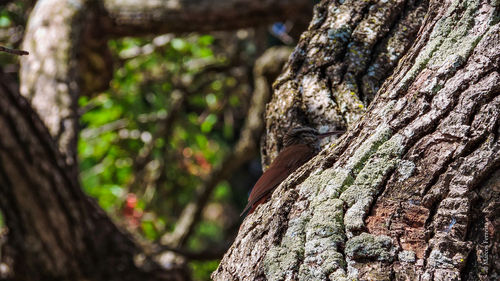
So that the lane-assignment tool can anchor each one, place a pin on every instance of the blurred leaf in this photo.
(202, 269)
(222, 191)
(149, 230)
(205, 40)
(201, 140)
(209, 122)
(179, 44)
(4, 20)
(120, 123)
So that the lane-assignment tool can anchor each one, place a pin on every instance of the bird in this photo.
(300, 144)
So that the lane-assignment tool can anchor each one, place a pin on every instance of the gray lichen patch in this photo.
(340, 35)
(338, 275)
(312, 185)
(324, 235)
(368, 148)
(405, 169)
(282, 260)
(388, 109)
(320, 244)
(436, 39)
(347, 99)
(461, 40)
(332, 182)
(360, 195)
(285, 101)
(370, 247)
(321, 265)
(451, 42)
(442, 257)
(407, 256)
(317, 102)
(317, 250)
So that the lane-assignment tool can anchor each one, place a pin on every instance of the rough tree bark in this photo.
(411, 191)
(339, 65)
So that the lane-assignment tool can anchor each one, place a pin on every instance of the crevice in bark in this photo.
(470, 147)
(470, 269)
(473, 146)
(416, 51)
(396, 14)
(478, 176)
(380, 190)
(380, 47)
(341, 57)
(475, 233)
(480, 102)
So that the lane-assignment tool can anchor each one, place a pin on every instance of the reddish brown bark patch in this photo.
(406, 223)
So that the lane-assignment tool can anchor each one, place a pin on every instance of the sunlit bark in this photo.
(410, 192)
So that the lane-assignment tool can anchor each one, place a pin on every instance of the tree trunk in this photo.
(56, 232)
(339, 65)
(411, 191)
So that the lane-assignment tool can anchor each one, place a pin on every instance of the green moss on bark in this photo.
(370, 247)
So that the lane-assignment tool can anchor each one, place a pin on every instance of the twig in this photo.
(13, 51)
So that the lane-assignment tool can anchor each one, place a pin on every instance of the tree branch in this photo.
(132, 18)
(13, 51)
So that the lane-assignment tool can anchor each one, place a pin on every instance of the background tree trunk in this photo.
(411, 191)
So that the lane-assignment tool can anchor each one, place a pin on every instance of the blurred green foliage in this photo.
(203, 269)
(173, 111)
(169, 117)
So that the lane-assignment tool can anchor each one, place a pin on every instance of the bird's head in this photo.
(301, 135)
(305, 135)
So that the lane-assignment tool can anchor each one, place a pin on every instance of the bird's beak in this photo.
(327, 134)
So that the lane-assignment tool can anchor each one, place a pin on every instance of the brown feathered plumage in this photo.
(301, 144)
(289, 160)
